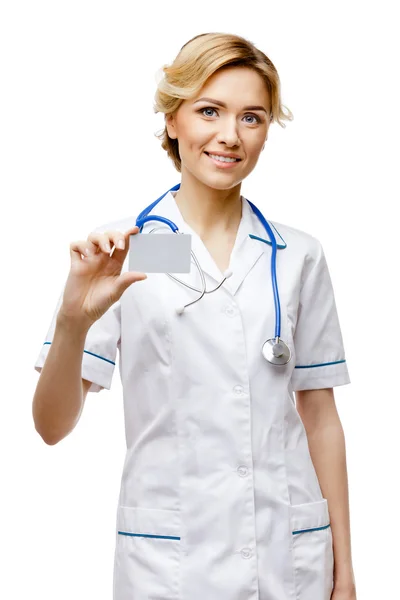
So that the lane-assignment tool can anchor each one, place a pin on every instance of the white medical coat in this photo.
(219, 498)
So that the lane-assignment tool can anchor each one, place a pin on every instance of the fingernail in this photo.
(107, 246)
(121, 244)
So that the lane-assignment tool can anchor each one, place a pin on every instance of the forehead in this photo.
(235, 85)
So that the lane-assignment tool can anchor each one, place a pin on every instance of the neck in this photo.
(208, 210)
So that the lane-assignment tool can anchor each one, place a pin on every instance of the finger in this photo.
(109, 241)
(121, 240)
(78, 250)
(126, 279)
(132, 231)
(102, 240)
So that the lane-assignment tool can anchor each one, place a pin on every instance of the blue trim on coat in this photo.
(337, 362)
(314, 529)
(255, 237)
(149, 535)
(92, 353)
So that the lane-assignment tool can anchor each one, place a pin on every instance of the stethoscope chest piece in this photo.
(276, 352)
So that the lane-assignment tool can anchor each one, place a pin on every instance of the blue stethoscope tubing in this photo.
(274, 350)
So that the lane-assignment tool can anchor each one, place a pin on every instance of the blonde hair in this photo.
(200, 58)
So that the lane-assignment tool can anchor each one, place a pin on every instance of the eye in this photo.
(207, 108)
(256, 117)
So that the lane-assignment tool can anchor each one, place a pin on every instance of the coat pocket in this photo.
(312, 550)
(147, 554)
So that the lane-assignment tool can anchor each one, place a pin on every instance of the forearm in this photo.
(328, 453)
(57, 403)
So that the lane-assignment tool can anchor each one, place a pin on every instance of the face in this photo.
(227, 117)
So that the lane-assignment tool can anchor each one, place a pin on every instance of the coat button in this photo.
(242, 471)
(246, 552)
(238, 389)
(229, 310)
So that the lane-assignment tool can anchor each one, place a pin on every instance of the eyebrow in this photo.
(219, 103)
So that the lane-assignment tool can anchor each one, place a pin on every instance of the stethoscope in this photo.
(274, 350)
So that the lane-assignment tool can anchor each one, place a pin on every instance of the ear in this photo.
(171, 126)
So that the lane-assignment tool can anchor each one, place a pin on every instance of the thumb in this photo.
(126, 279)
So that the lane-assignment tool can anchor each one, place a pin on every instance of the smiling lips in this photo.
(224, 160)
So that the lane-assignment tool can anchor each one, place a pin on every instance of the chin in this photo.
(220, 181)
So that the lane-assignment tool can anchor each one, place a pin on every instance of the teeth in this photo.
(223, 158)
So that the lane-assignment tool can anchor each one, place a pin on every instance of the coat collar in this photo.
(251, 243)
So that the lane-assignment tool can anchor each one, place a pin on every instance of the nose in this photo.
(228, 132)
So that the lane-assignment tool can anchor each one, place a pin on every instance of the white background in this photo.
(78, 149)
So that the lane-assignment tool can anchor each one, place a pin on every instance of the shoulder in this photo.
(122, 224)
(297, 241)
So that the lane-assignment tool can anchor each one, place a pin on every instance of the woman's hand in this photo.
(95, 282)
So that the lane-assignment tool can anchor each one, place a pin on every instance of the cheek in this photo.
(255, 149)
(253, 152)
(187, 136)
(197, 134)
(194, 130)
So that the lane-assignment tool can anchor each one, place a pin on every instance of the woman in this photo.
(228, 491)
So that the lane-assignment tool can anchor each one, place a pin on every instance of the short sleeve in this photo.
(318, 342)
(101, 345)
